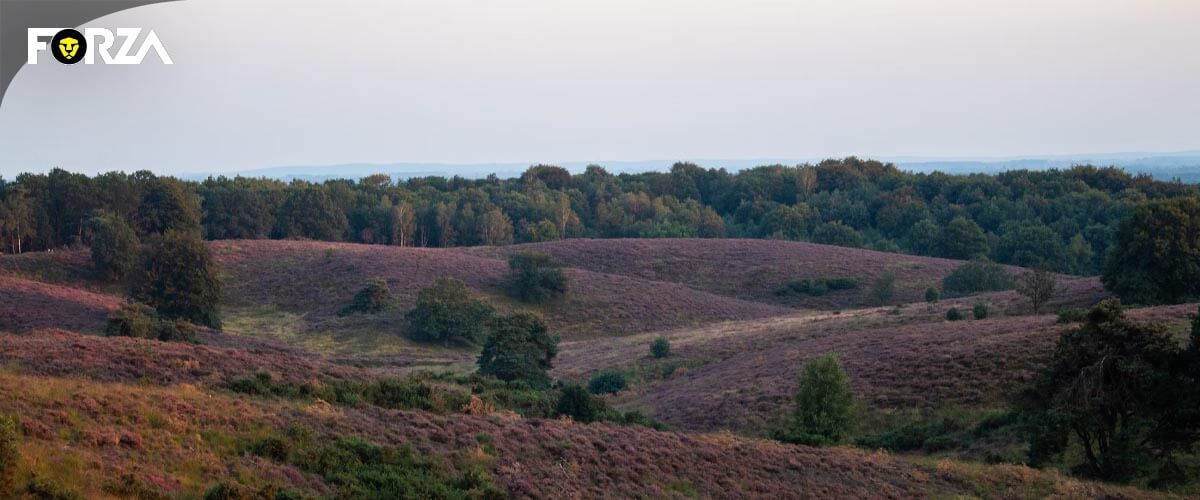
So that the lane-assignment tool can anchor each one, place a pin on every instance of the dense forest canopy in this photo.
(1061, 218)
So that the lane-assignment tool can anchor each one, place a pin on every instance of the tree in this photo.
(135, 319)
(534, 277)
(661, 348)
(963, 239)
(953, 314)
(1038, 286)
(404, 224)
(114, 247)
(446, 312)
(575, 402)
(179, 279)
(837, 233)
(519, 347)
(980, 311)
(1114, 386)
(824, 403)
(496, 227)
(932, 295)
(978, 275)
(542, 230)
(168, 205)
(16, 218)
(607, 383)
(308, 212)
(374, 297)
(1156, 254)
(884, 288)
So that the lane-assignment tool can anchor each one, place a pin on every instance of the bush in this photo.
(817, 287)
(10, 453)
(519, 347)
(575, 402)
(978, 275)
(534, 277)
(953, 314)
(372, 298)
(445, 312)
(114, 247)
(824, 403)
(980, 311)
(132, 319)
(1072, 315)
(406, 394)
(179, 279)
(932, 295)
(660, 348)
(607, 383)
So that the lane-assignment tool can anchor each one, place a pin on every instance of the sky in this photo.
(262, 83)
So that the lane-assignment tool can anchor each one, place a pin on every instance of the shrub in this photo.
(817, 287)
(445, 312)
(179, 279)
(607, 383)
(519, 347)
(135, 319)
(953, 314)
(10, 453)
(372, 298)
(575, 402)
(1072, 315)
(660, 348)
(980, 311)
(932, 295)
(404, 394)
(884, 288)
(132, 319)
(534, 277)
(978, 275)
(824, 403)
(114, 247)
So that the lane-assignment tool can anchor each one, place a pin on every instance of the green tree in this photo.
(1111, 385)
(575, 402)
(374, 297)
(837, 233)
(932, 295)
(884, 288)
(535, 277)
(978, 275)
(660, 348)
(1038, 286)
(114, 247)
(963, 239)
(953, 314)
(1156, 254)
(168, 205)
(519, 347)
(824, 403)
(542, 230)
(980, 311)
(446, 312)
(607, 383)
(179, 279)
(309, 212)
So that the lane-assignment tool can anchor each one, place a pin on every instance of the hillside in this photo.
(179, 437)
(745, 269)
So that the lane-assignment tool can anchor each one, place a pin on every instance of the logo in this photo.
(69, 46)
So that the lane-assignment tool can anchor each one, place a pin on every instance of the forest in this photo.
(1061, 219)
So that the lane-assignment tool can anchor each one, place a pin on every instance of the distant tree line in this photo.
(1063, 219)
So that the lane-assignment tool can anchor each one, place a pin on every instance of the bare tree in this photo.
(1038, 285)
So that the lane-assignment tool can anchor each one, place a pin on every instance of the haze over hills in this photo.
(1182, 165)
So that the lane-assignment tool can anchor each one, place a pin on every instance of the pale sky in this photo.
(285, 82)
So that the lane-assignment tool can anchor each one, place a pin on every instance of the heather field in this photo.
(119, 417)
